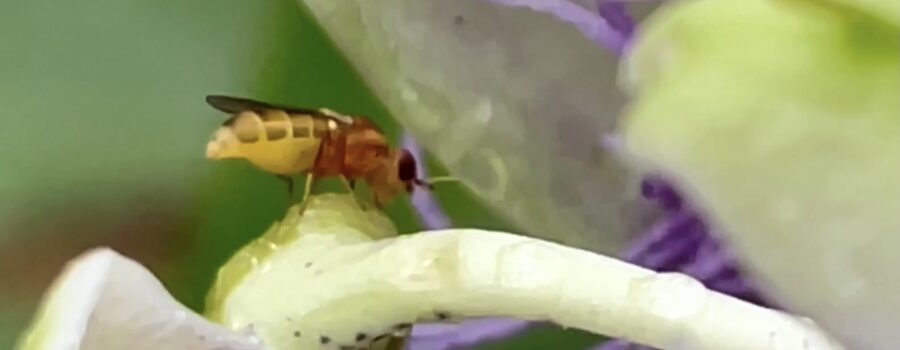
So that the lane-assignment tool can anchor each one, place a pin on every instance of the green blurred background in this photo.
(105, 128)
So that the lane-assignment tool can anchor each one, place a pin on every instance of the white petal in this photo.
(328, 282)
(319, 286)
(104, 301)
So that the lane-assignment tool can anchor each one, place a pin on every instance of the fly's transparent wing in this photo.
(514, 102)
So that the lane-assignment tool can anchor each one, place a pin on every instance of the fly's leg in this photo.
(396, 343)
(377, 202)
(307, 190)
(311, 174)
(351, 187)
(290, 186)
(351, 184)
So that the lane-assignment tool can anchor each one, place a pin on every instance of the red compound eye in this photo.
(406, 166)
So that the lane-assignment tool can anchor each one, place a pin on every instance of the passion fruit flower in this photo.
(777, 118)
(339, 277)
(680, 241)
(442, 336)
(459, 273)
(494, 92)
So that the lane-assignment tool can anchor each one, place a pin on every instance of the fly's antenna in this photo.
(437, 179)
(429, 183)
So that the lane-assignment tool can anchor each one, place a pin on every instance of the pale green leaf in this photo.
(782, 119)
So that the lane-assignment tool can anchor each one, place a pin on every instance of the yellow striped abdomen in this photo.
(275, 141)
(285, 157)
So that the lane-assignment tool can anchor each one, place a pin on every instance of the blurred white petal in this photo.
(105, 301)
(511, 100)
(781, 121)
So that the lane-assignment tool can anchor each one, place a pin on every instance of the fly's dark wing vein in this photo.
(235, 105)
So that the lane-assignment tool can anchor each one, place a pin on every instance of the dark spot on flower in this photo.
(360, 336)
(442, 315)
(458, 19)
(297, 334)
(308, 265)
(324, 340)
